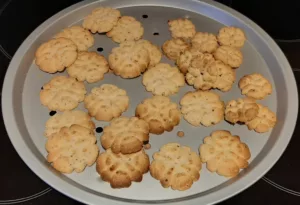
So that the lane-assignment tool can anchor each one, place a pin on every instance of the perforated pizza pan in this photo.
(25, 117)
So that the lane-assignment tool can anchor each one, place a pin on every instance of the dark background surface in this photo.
(19, 185)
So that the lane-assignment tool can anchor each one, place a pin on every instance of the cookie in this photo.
(176, 166)
(185, 59)
(82, 38)
(163, 80)
(229, 55)
(121, 170)
(67, 119)
(205, 42)
(231, 36)
(205, 73)
(62, 93)
(202, 107)
(224, 153)
(101, 20)
(55, 55)
(129, 60)
(255, 85)
(153, 50)
(106, 102)
(173, 48)
(182, 28)
(241, 110)
(264, 121)
(125, 135)
(89, 66)
(72, 149)
(160, 113)
(127, 29)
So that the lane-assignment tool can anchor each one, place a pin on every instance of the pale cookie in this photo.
(206, 73)
(182, 28)
(224, 153)
(255, 85)
(264, 121)
(62, 93)
(72, 149)
(127, 29)
(101, 20)
(89, 66)
(241, 110)
(202, 107)
(176, 166)
(81, 37)
(173, 48)
(229, 55)
(55, 55)
(106, 102)
(185, 59)
(163, 79)
(231, 36)
(205, 42)
(125, 135)
(129, 60)
(160, 113)
(121, 170)
(153, 50)
(67, 119)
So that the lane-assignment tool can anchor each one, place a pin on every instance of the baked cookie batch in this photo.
(203, 60)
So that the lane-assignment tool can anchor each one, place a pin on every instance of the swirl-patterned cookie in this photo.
(176, 166)
(153, 50)
(185, 59)
(231, 36)
(205, 42)
(224, 153)
(163, 79)
(173, 48)
(182, 28)
(106, 102)
(229, 55)
(62, 93)
(160, 113)
(125, 135)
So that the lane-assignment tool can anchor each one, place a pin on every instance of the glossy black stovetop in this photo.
(19, 185)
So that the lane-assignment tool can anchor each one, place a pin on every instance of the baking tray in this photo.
(25, 118)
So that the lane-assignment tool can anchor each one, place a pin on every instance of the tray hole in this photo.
(51, 113)
(42, 88)
(99, 129)
(145, 16)
(155, 34)
(100, 49)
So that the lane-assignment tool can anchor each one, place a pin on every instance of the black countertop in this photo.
(19, 185)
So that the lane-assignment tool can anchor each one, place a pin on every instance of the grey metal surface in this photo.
(25, 118)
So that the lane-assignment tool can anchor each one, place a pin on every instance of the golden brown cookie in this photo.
(72, 149)
(229, 55)
(62, 93)
(153, 50)
(241, 110)
(202, 107)
(182, 28)
(89, 66)
(125, 135)
(224, 153)
(81, 37)
(161, 114)
(106, 102)
(55, 55)
(205, 42)
(121, 170)
(127, 29)
(163, 79)
(129, 60)
(67, 119)
(176, 166)
(101, 20)
(264, 121)
(185, 59)
(231, 36)
(173, 48)
(255, 85)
